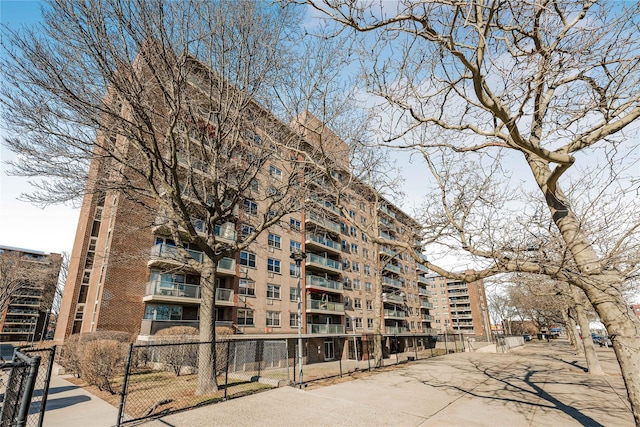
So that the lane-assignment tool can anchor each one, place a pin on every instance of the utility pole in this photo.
(298, 256)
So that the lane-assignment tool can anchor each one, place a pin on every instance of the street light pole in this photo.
(298, 256)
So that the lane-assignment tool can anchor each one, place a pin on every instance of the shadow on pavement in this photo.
(64, 402)
(530, 386)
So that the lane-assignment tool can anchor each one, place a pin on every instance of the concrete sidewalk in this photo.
(541, 384)
(69, 405)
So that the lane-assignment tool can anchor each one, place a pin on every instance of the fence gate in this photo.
(25, 382)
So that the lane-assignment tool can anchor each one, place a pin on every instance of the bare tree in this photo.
(12, 278)
(552, 83)
(169, 106)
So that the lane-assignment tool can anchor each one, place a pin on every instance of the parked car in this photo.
(600, 340)
(527, 337)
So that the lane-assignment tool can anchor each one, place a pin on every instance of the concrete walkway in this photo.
(71, 406)
(541, 384)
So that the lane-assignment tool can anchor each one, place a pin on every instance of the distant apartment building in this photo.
(124, 274)
(459, 306)
(29, 277)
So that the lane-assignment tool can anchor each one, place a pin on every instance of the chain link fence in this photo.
(25, 387)
(161, 378)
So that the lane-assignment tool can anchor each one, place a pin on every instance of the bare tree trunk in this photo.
(623, 329)
(593, 364)
(572, 331)
(207, 380)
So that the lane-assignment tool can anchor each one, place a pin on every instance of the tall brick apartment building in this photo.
(459, 306)
(26, 315)
(125, 273)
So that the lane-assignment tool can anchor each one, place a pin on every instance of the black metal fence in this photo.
(26, 386)
(164, 377)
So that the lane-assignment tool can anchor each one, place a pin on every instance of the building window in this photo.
(273, 265)
(254, 186)
(250, 207)
(363, 220)
(247, 230)
(356, 284)
(247, 287)
(370, 323)
(348, 323)
(273, 318)
(293, 320)
(365, 253)
(275, 172)
(355, 266)
(352, 214)
(245, 317)
(357, 303)
(367, 269)
(369, 305)
(367, 286)
(273, 291)
(294, 224)
(358, 322)
(353, 232)
(293, 294)
(294, 246)
(364, 238)
(248, 259)
(274, 241)
(354, 248)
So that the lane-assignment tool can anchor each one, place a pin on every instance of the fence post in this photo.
(415, 346)
(125, 383)
(260, 350)
(45, 387)
(340, 358)
(395, 344)
(27, 393)
(226, 372)
(295, 352)
(368, 355)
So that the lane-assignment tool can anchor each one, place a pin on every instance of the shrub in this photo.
(72, 352)
(101, 360)
(181, 350)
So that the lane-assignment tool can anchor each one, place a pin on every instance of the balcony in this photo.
(392, 298)
(325, 223)
(322, 243)
(387, 211)
(387, 236)
(226, 267)
(325, 205)
(456, 285)
(427, 318)
(422, 268)
(423, 280)
(226, 232)
(459, 300)
(393, 268)
(322, 284)
(423, 292)
(325, 329)
(161, 291)
(395, 330)
(387, 251)
(394, 314)
(426, 304)
(430, 331)
(225, 297)
(168, 256)
(324, 307)
(325, 264)
(387, 281)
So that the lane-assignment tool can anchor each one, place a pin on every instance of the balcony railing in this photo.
(395, 329)
(426, 304)
(427, 318)
(227, 265)
(397, 314)
(422, 268)
(226, 231)
(386, 210)
(313, 304)
(423, 291)
(172, 289)
(391, 282)
(163, 250)
(325, 204)
(322, 241)
(224, 296)
(321, 282)
(392, 298)
(323, 222)
(324, 329)
(423, 280)
(393, 268)
(387, 236)
(326, 262)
